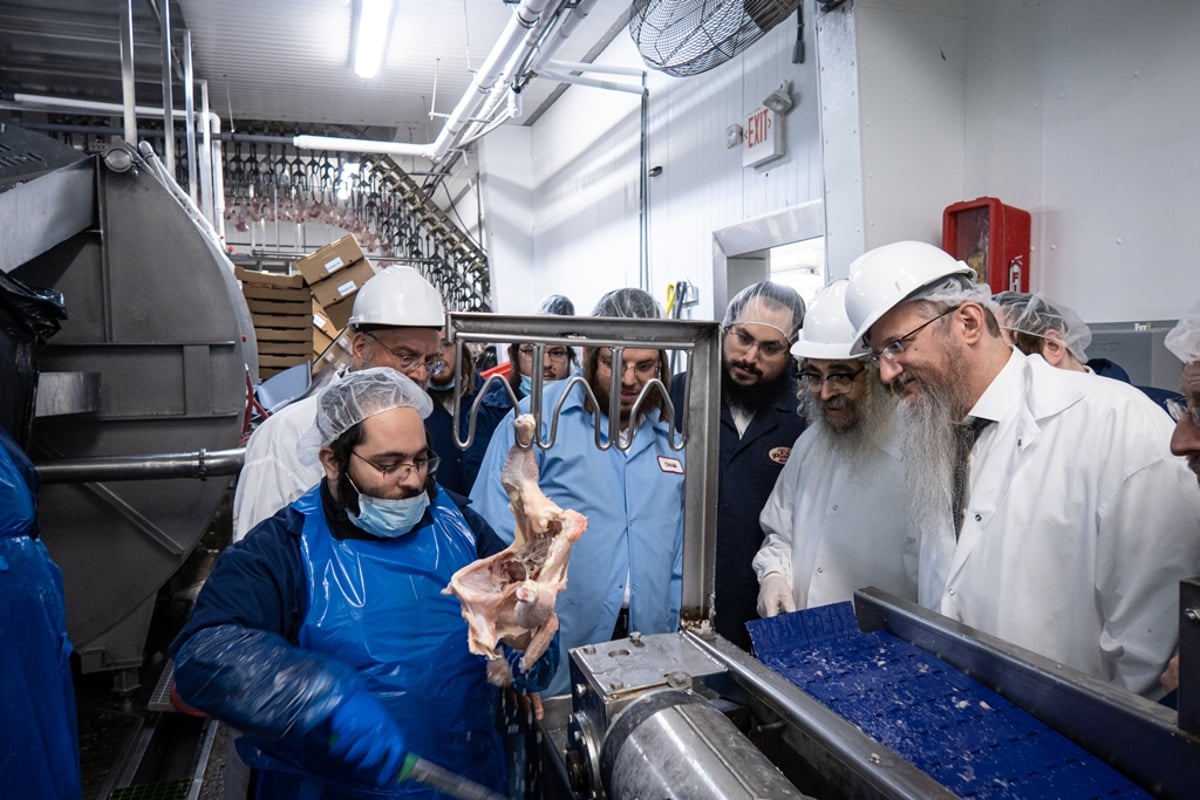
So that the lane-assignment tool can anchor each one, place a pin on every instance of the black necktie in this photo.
(965, 434)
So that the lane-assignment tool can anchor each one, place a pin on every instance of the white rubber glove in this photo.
(775, 595)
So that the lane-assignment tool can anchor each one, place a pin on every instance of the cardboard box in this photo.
(273, 279)
(281, 334)
(280, 361)
(269, 348)
(278, 308)
(320, 341)
(276, 294)
(335, 256)
(283, 321)
(343, 284)
(338, 313)
(322, 322)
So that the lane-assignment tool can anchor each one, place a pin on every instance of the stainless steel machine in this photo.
(150, 360)
(691, 716)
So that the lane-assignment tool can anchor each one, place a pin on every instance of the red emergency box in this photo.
(991, 237)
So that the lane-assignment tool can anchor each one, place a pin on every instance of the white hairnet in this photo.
(774, 296)
(956, 290)
(1034, 314)
(1184, 338)
(558, 304)
(630, 302)
(364, 394)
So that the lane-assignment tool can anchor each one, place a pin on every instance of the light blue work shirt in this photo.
(634, 504)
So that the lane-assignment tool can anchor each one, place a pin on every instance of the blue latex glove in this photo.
(367, 740)
(540, 673)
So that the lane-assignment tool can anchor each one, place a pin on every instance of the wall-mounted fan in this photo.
(687, 37)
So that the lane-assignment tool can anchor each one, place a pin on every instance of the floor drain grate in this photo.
(168, 790)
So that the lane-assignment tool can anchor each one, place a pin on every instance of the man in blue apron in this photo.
(324, 634)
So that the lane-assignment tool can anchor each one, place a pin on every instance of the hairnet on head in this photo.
(773, 297)
(956, 290)
(1034, 314)
(558, 304)
(1184, 338)
(364, 394)
(630, 302)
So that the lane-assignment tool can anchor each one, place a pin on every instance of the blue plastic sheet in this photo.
(962, 734)
(39, 739)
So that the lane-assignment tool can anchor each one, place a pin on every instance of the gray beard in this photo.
(927, 437)
(855, 445)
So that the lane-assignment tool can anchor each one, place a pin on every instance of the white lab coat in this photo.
(1078, 527)
(275, 471)
(835, 526)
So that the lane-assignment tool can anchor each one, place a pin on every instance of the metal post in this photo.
(189, 122)
(1189, 656)
(128, 90)
(206, 171)
(164, 21)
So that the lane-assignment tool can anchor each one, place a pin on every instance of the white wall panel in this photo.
(586, 168)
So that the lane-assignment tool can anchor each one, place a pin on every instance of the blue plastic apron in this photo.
(377, 606)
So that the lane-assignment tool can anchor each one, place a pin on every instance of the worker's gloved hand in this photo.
(775, 595)
(366, 739)
(539, 674)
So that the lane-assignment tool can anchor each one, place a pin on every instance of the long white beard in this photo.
(928, 441)
(855, 444)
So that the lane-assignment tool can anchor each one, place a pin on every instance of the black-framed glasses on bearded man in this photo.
(556, 354)
(1178, 411)
(893, 349)
(838, 380)
(744, 340)
(407, 359)
(402, 469)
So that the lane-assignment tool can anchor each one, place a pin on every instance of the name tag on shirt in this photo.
(667, 464)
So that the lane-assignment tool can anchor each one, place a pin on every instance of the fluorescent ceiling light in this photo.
(370, 40)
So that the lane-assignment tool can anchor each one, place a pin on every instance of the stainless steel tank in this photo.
(152, 359)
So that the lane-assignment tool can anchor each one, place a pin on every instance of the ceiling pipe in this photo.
(521, 30)
(531, 61)
(583, 80)
(583, 66)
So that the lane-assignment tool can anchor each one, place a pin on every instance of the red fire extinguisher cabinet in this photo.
(993, 238)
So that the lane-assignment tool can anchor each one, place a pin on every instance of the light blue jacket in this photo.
(634, 504)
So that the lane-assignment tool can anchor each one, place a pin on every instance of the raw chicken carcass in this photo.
(509, 597)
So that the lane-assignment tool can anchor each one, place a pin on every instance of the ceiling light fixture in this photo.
(373, 24)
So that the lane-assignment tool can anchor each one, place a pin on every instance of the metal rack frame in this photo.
(701, 418)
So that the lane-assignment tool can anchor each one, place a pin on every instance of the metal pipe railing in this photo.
(197, 464)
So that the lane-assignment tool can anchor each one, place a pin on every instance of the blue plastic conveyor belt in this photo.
(960, 733)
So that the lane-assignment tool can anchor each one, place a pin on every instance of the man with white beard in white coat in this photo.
(831, 522)
(1053, 514)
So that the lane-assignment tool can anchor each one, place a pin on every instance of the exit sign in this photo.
(763, 137)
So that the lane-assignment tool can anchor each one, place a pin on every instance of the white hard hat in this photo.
(882, 278)
(398, 297)
(827, 332)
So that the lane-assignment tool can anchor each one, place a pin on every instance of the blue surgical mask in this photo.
(389, 519)
(441, 387)
(526, 385)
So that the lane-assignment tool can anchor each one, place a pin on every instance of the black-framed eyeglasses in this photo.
(402, 469)
(558, 354)
(407, 360)
(1178, 411)
(893, 349)
(838, 381)
(744, 340)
